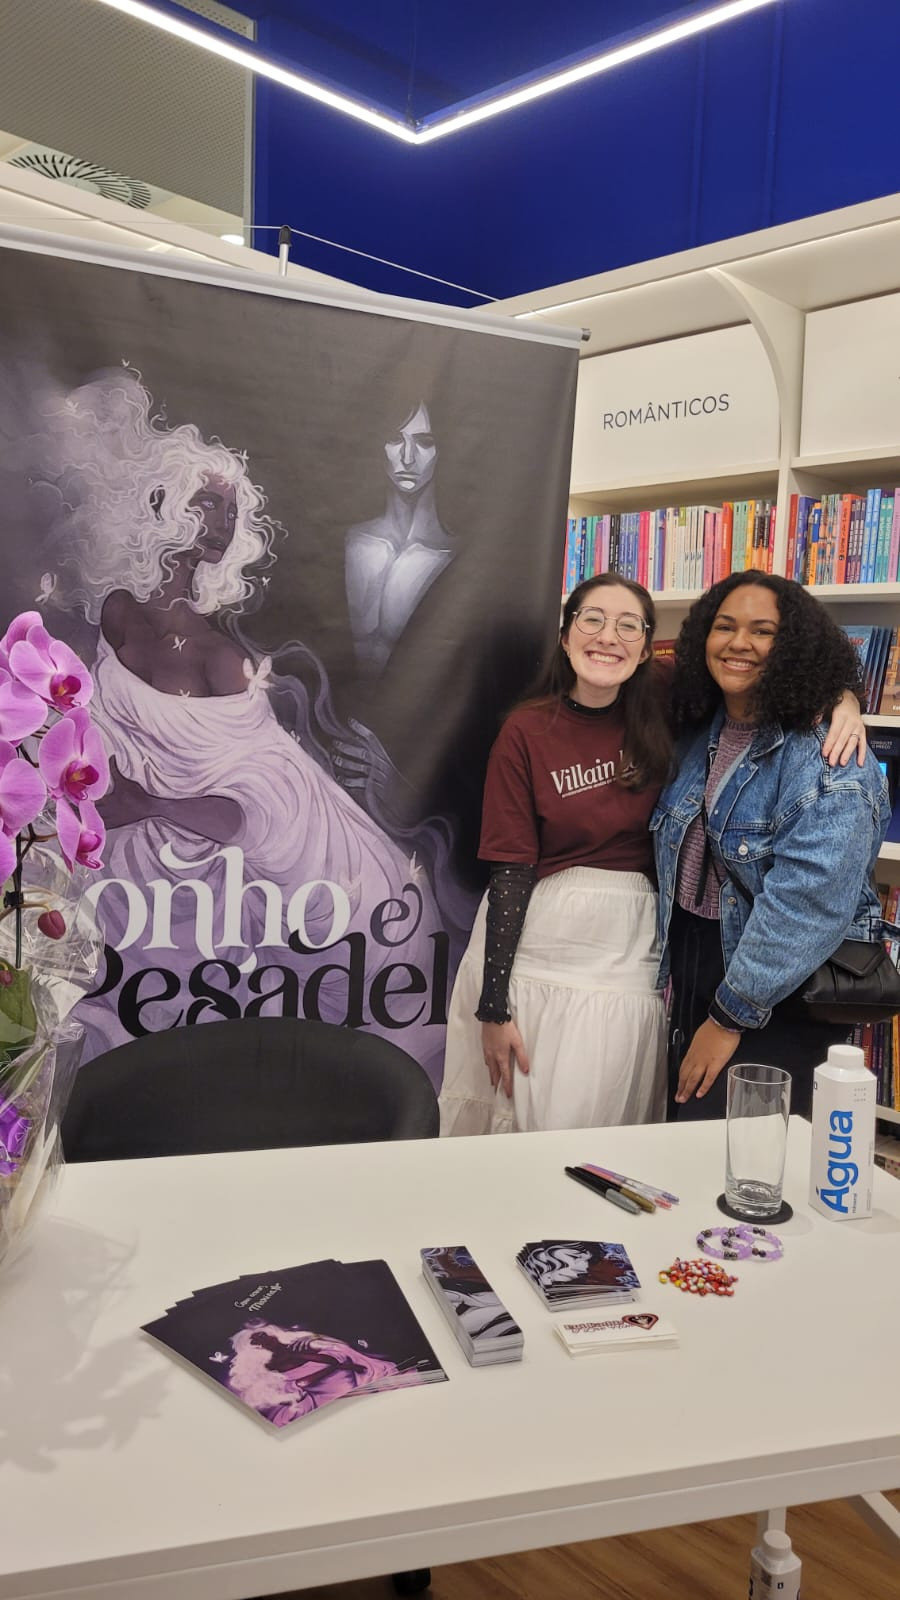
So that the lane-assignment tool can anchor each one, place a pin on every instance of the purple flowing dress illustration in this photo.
(239, 874)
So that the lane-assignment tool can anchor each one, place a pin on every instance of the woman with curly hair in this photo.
(764, 851)
(557, 1019)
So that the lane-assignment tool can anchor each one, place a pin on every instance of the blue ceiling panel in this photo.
(419, 57)
(777, 115)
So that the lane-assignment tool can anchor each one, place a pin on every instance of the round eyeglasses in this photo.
(629, 627)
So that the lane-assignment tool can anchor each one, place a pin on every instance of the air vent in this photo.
(86, 175)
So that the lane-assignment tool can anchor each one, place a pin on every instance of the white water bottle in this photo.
(843, 1135)
(774, 1569)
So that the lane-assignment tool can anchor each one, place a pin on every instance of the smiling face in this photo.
(601, 660)
(738, 645)
(216, 500)
(411, 455)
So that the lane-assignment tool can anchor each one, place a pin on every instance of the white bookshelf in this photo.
(784, 283)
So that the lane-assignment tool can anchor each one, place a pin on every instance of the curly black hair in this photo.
(810, 664)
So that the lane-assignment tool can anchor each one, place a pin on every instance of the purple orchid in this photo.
(21, 711)
(17, 631)
(81, 838)
(22, 796)
(73, 759)
(50, 669)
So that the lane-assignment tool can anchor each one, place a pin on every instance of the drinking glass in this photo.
(757, 1110)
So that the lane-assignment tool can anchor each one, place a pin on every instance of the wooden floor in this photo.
(842, 1560)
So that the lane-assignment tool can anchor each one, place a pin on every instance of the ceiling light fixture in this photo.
(493, 105)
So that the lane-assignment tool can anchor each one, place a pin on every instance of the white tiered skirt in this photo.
(583, 996)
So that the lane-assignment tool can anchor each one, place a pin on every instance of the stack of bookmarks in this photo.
(475, 1312)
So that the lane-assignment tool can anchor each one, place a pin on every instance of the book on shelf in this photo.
(831, 539)
(889, 701)
(876, 647)
(880, 1041)
(885, 746)
(844, 538)
(672, 547)
(887, 1155)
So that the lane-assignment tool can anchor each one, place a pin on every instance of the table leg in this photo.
(770, 1522)
(882, 1518)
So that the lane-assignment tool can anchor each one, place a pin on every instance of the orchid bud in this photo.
(52, 924)
(7, 976)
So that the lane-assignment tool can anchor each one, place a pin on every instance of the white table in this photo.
(123, 1475)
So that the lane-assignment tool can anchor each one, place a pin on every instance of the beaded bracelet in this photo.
(760, 1238)
(734, 1245)
(740, 1242)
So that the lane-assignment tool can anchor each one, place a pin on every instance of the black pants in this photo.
(698, 967)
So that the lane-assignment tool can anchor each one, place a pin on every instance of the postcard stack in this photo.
(290, 1342)
(577, 1274)
(475, 1312)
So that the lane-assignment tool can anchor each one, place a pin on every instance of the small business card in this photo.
(585, 1334)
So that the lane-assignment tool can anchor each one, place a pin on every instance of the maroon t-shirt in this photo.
(551, 798)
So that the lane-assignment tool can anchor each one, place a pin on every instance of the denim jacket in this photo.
(802, 839)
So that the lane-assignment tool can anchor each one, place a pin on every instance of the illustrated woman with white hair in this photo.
(158, 532)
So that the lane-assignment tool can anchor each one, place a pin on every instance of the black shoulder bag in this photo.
(857, 984)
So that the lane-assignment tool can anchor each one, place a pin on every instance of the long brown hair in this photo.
(648, 750)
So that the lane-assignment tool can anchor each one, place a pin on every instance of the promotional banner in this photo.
(311, 555)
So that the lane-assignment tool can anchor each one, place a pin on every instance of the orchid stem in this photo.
(17, 881)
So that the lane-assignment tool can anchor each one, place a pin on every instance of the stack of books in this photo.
(576, 1274)
(844, 538)
(290, 1342)
(479, 1319)
(879, 657)
(672, 547)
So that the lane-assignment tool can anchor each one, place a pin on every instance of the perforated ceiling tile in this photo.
(223, 15)
(81, 78)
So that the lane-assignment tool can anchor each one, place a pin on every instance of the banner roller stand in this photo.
(349, 298)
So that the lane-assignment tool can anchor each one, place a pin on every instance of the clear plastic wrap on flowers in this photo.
(53, 767)
(30, 1146)
(61, 965)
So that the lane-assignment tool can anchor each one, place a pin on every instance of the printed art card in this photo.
(289, 1343)
(480, 1321)
(467, 1296)
(578, 1272)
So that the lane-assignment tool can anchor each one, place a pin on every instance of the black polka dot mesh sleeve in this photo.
(509, 892)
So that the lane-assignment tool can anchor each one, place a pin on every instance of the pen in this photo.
(660, 1196)
(641, 1200)
(607, 1190)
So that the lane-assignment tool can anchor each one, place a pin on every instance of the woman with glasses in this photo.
(556, 1020)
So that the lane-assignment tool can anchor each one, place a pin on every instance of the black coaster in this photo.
(784, 1214)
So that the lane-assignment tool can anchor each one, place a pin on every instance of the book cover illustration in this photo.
(572, 1272)
(289, 1343)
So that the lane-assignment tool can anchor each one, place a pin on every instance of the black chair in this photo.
(257, 1083)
